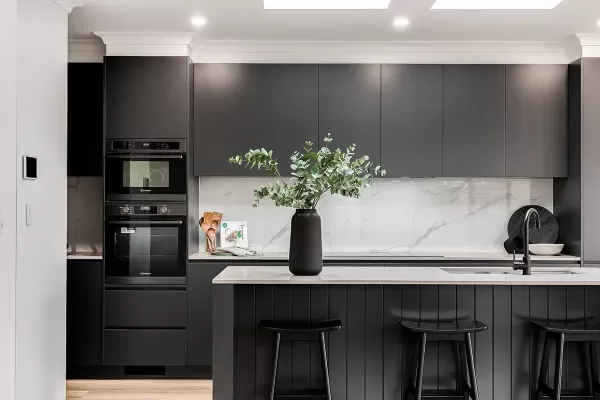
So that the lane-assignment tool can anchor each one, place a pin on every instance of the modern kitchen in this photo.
(286, 200)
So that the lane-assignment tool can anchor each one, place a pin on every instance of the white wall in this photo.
(41, 247)
(8, 173)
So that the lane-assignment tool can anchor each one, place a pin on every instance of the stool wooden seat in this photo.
(280, 328)
(456, 327)
(457, 331)
(301, 327)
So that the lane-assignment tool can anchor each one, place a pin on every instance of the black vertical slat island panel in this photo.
(368, 358)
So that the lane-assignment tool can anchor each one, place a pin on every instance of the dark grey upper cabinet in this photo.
(474, 120)
(242, 106)
(85, 119)
(536, 121)
(411, 120)
(350, 107)
(147, 97)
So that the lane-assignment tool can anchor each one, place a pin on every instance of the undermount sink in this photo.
(504, 271)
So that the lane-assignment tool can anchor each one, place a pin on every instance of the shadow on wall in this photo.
(84, 214)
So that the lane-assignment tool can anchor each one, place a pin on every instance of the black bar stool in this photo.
(460, 333)
(295, 328)
(587, 334)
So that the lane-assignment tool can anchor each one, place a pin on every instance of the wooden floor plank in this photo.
(139, 390)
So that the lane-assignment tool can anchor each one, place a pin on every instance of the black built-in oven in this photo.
(146, 170)
(145, 244)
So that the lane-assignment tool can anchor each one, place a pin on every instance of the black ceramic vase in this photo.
(306, 246)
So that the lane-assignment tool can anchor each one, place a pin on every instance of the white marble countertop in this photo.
(409, 275)
(84, 256)
(382, 256)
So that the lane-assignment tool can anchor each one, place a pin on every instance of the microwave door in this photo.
(146, 177)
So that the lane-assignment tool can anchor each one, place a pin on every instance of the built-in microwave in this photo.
(146, 170)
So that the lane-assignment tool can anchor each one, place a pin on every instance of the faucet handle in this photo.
(515, 262)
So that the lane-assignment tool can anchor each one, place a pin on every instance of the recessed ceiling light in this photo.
(495, 4)
(326, 4)
(401, 22)
(598, 22)
(198, 21)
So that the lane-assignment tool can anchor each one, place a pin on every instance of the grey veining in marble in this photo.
(84, 214)
(394, 215)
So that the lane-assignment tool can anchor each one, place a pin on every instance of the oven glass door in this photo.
(143, 248)
(143, 175)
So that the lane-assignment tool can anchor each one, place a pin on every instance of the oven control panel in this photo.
(146, 209)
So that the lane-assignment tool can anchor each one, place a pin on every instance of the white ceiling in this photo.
(247, 20)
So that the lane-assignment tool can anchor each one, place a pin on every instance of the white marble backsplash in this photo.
(84, 214)
(394, 215)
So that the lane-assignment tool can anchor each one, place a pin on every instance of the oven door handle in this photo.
(144, 156)
(145, 222)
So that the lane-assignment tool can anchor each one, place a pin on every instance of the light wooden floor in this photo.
(139, 390)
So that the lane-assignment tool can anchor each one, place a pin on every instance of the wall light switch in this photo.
(28, 214)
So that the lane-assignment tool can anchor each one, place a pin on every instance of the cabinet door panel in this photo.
(474, 126)
(350, 107)
(84, 314)
(147, 97)
(200, 309)
(536, 121)
(242, 106)
(85, 119)
(142, 347)
(411, 120)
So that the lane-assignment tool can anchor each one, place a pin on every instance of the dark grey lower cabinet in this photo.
(144, 347)
(200, 312)
(84, 314)
(145, 308)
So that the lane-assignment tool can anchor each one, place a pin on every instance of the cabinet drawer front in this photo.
(145, 308)
(150, 347)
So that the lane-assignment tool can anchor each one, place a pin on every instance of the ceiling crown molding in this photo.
(584, 45)
(69, 5)
(147, 43)
(86, 51)
(418, 52)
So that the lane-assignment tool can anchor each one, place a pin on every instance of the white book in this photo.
(234, 234)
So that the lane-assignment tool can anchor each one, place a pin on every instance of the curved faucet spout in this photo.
(526, 266)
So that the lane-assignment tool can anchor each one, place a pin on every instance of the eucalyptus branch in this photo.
(313, 174)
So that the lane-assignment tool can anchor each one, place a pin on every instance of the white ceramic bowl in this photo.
(546, 249)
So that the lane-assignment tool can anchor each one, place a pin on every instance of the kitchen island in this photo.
(368, 358)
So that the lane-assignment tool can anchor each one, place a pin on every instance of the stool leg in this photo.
(275, 365)
(325, 365)
(462, 356)
(412, 367)
(421, 366)
(543, 367)
(558, 365)
(460, 378)
(471, 364)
